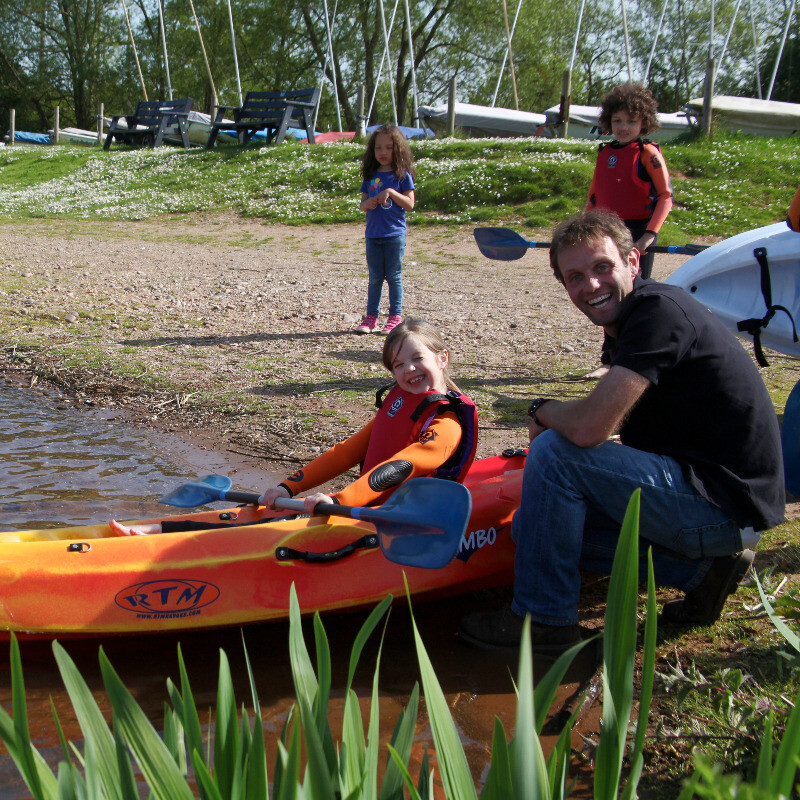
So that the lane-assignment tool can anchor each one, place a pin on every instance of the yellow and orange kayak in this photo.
(86, 581)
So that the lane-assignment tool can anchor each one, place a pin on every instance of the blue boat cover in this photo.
(409, 133)
(25, 137)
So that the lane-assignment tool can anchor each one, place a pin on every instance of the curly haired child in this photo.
(630, 177)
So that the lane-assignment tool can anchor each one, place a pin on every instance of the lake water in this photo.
(62, 466)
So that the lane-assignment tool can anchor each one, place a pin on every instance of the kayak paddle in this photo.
(503, 244)
(420, 525)
(790, 440)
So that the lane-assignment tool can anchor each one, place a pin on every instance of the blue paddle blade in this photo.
(206, 490)
(500, 244)
(790, 441)
(423, 523)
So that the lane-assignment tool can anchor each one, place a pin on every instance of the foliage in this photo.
(239, 770)
(78, 53)
(721, 187)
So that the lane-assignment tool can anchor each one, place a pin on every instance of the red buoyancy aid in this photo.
(402, 418)
(619, 185)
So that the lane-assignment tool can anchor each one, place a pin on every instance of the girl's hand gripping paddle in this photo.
(420, 525)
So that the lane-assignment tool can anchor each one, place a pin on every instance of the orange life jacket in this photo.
(403, 418)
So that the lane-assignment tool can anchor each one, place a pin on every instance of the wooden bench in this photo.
(270, 111)
(151, 120)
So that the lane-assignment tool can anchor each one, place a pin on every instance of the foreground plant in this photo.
(309, 764)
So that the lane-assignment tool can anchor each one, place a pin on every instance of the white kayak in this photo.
(752, 283)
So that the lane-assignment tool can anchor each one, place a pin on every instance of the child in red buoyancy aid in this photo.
(424, 427)
(630, 176)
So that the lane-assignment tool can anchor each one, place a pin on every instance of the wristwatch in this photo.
(535, 406)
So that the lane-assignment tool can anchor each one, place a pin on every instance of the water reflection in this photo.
(58, 465)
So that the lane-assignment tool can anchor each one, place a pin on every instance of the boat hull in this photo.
(751, 116)
(726, 278)
(584, 124)
(484, 121)
(84, 581)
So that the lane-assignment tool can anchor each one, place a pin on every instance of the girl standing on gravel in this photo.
(424, 427)
(387, 192)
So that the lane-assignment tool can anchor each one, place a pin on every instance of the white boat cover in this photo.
(750, 115)
(485, 120)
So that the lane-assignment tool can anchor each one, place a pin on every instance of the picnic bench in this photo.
(270, 111)
(150, 122)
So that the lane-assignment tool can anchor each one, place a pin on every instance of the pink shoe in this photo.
(368, 325)
(391, 324)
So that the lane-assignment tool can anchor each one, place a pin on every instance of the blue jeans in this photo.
(573, 504)
(385, 262)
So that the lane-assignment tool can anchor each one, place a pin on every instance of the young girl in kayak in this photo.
(424, 427)
(630, 176)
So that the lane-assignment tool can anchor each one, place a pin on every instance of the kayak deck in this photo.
(87, 581)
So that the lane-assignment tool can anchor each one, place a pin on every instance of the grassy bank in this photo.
(721, 187)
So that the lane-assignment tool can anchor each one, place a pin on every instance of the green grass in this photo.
(721, 187)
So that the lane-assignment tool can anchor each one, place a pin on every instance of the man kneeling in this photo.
(698, 435)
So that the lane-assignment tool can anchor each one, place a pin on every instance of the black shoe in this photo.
(502, 630)
(703, 605)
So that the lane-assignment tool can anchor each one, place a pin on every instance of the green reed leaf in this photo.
(226, 731)
(499, 784)
(786, 761)
(155, 762)
(91, 721)
(401, 742)
(401, 767)
(453, 766)
(528, 767)
(619, 650)
(646, 689)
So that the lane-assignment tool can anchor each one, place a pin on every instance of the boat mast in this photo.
(505, 56)
(388, 54)
(329, 55)
(205, 57)
(415, 98)
(627, 40)
(728, 35)
(655, 40)
(780, 49)
(164, 46)
(135, 53)
(755, 50)
(511, 56)
(235, 57)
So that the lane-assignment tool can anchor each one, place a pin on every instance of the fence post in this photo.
(566, 98)
(708, 94)
(54, 140)
(100, 115)
(451, 107)
(361, 126)
(12, 122)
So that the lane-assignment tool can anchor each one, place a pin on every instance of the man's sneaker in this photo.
(391, 324)
(502, 630)
(368, 325)
(703, 605)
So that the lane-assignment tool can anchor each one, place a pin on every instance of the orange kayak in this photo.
(86, 581)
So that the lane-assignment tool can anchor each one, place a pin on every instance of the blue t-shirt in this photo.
(382, 221)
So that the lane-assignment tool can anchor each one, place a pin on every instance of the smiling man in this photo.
(698, 435)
